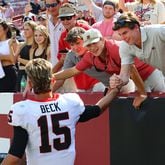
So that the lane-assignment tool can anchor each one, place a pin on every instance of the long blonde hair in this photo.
(43, 30)
(32, 25)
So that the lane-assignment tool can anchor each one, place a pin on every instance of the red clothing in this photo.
(82, 80)
(62, 43)
(113, 62)
(90, 20)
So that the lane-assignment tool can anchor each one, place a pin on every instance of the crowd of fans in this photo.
(55, 31)
(108, 45)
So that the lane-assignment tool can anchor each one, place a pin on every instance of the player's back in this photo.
(51, 128)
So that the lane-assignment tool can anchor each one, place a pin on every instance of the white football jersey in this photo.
(51, 128)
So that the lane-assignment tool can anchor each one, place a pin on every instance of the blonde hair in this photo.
(39, 71)
(32, 25)
(43, 30)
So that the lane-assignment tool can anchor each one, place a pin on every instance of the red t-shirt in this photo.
(65, 45)
(113, 61)
(82, 80)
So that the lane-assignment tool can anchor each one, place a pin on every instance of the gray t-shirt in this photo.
(71, 60)
(153, 47)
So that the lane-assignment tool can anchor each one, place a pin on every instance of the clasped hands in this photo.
(116, 82)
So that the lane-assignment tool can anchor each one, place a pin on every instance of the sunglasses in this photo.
(51, 5)
(66, 18)
(123, 22)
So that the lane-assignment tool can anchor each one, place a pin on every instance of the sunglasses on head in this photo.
(123, 22)
(66, 18)
(51, 5)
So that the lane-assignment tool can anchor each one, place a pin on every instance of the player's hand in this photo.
(115, 81)
(138, 100)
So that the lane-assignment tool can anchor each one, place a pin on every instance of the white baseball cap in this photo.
(91, 36)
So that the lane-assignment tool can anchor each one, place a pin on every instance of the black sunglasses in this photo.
(66, 18)
(98, 69)
(51, 5)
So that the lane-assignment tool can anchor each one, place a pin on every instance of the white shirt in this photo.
(4, 47)
(55, 33)
(51, 128)
(2, 15)
(153, 13)
(153, 47)
(4, 50)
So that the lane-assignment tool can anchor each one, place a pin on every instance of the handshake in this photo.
(117, 82)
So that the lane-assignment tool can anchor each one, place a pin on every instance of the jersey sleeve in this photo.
(125, 55)
(91, 111)
(17, 115)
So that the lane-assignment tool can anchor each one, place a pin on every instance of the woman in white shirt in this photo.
(8, 82)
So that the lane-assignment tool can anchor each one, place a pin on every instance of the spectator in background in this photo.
(99, 2)
(86, 16)
(73, 2)
(9, 11)
(36, 8)
(68, 17)
(74, 38)
(55, 27)
(41, 43)
(105, 26)
(147, 43)
(96, 10)
(2, 13)
(41, 48)
(28, 15)
(42, 20)
(18, 34)
(89, 17)
(24, 52)
(43, 5)
(8, 80)
(80, 15)
(101, 56)
(147, 11)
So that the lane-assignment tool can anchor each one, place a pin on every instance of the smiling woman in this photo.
(42, 43)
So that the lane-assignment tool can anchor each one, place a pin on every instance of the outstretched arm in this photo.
(96, 10)
(67, 73)
(107, 99)
(122, 79)
(57, 85)
(17, 148)
(142, 95)
(93, 111)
